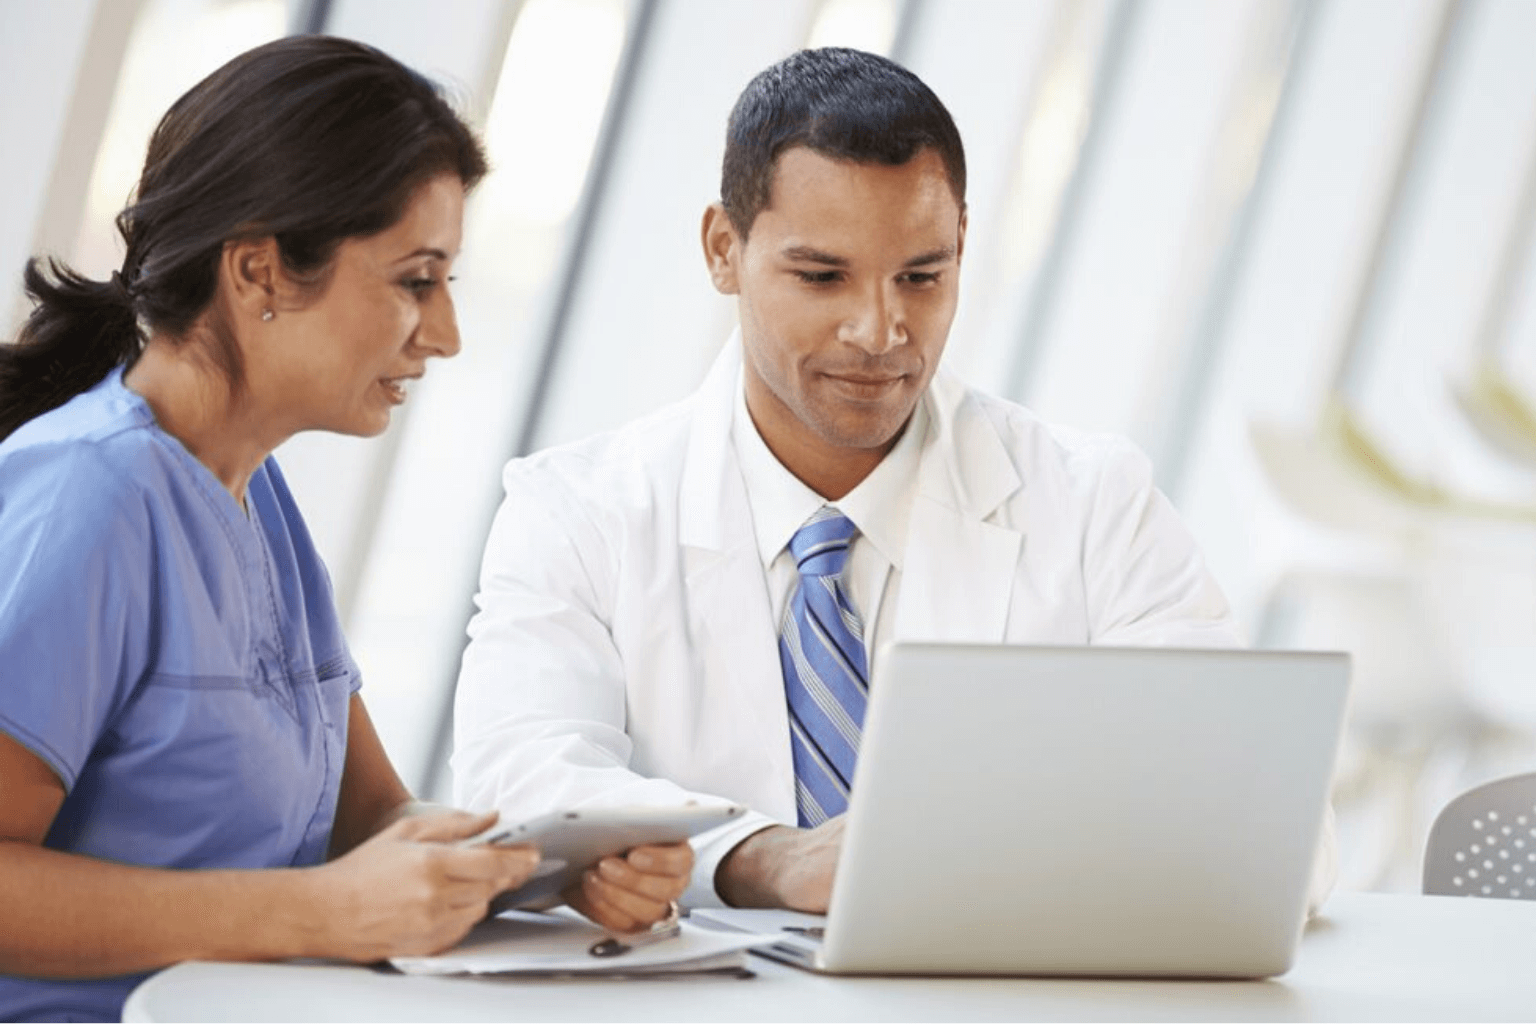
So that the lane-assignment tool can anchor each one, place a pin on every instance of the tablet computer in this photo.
(570, 842)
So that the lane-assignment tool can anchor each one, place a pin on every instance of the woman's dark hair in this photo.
(309, 140)
(841, 103)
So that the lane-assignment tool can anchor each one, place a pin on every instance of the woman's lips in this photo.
(395, 387)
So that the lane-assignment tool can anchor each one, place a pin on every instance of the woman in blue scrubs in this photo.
(186, 769)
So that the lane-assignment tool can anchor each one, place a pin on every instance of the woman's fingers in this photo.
(447, 827)
(507, 866)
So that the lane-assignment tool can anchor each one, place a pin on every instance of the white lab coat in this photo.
(624, 651)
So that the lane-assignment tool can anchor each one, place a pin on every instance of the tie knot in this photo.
(820, 546)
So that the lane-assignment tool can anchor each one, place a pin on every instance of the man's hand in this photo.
(625, 894)
(783, 867)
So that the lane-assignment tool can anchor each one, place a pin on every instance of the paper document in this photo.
(560, 942)
(761, 922)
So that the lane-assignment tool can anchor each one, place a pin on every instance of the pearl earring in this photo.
(267, 315)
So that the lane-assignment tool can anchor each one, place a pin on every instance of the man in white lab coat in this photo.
(639, 631)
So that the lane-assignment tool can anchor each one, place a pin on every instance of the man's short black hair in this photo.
(841, 103)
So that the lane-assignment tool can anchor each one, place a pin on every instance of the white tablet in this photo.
(572, 841)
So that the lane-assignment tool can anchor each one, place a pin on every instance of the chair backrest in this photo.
(1483, 843)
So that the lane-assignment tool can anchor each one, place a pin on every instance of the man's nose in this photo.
(876, 323)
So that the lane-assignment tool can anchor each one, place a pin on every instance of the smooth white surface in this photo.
(1367, 957)
(1127, 811)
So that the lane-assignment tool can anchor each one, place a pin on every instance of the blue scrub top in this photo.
(176, 662)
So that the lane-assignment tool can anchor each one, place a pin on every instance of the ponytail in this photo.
(79, 331)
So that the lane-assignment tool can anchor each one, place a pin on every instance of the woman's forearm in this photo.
(411, 890)
(372, 795)
(68, 916)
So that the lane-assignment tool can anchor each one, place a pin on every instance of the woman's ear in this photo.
(722, 250)
(250, 271)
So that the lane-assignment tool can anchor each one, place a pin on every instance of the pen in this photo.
(615, 946)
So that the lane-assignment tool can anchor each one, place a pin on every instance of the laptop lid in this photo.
(1085, 810)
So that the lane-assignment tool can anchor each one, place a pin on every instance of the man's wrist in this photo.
(746, 876)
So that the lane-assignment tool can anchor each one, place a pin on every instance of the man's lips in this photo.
(857, 378)
(864, 385)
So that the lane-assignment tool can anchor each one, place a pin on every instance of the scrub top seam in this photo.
(202, 479)
(286, 696)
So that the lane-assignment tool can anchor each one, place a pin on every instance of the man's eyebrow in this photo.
(928, 259)
(806, 254)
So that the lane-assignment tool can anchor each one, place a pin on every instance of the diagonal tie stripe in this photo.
(826, 674)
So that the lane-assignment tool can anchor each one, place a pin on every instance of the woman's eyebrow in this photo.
(424, 251)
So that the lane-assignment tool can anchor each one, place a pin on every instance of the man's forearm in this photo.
(745, 877)
(784, 867)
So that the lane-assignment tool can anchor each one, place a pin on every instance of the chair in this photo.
(1483, 843)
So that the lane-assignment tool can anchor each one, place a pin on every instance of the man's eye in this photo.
(817, 276)
(922, 278)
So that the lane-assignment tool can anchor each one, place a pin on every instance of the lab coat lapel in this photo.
(734, 639)
(958, 571)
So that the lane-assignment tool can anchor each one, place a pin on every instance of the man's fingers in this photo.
(639, 908)
(674, 859)
(599, 910)
(662, 888)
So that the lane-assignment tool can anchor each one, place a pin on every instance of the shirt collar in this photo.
(880, 506)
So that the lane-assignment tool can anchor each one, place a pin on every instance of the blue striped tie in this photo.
(826, 675)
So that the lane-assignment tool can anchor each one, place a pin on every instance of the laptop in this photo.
(1105, 811)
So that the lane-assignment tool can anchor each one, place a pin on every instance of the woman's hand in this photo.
(409, 891)
(625, 894)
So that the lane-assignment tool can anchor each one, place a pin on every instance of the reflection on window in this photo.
(861, 24)
(175, 44)
(1052, 139)
(541, 132)
(549, 106)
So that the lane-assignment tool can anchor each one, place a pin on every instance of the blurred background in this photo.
(1285, 245)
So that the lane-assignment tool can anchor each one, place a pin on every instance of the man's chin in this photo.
(864, 433)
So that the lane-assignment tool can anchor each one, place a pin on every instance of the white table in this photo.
(1368, 957)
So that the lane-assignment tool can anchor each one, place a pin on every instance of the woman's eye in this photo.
(421, 285)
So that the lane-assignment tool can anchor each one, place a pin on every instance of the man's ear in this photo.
(722, 250)
(250, 271)
(960, 242)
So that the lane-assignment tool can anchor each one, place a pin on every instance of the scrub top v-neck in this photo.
(175, 659)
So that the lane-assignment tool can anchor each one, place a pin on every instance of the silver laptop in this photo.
(1082, 811)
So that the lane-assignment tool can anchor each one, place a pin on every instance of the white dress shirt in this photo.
(879, 506)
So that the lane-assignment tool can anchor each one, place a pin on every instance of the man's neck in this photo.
(830, 474)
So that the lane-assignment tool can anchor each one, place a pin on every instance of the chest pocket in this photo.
(214, 769)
